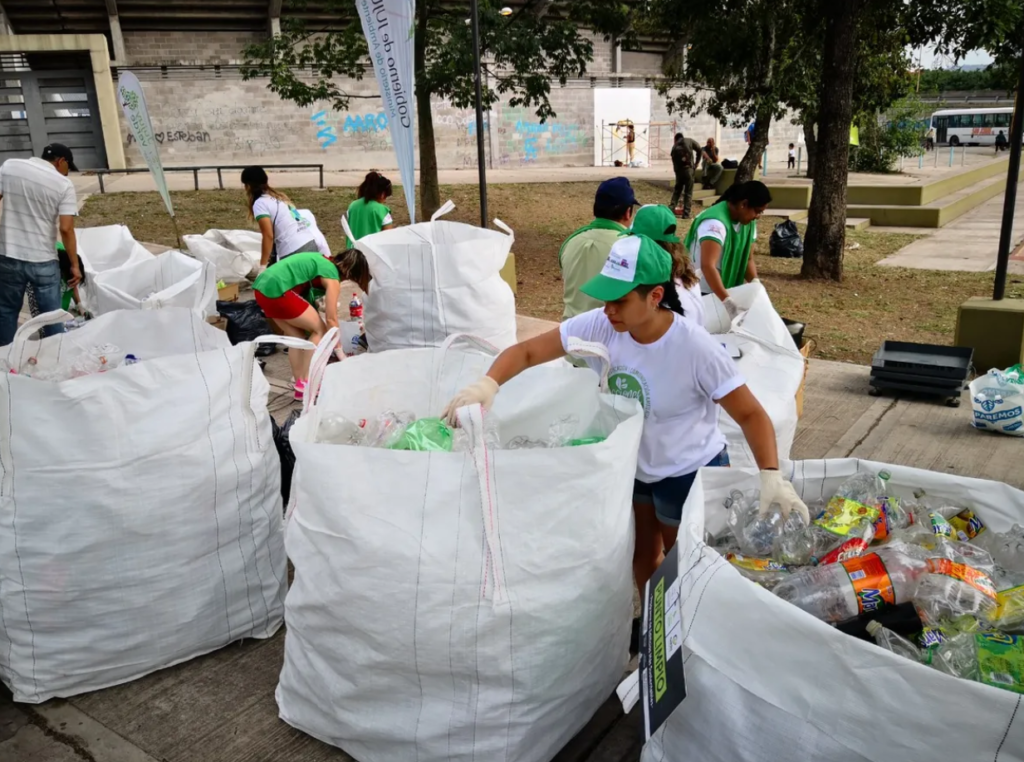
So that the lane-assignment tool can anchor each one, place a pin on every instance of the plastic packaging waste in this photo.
(1009, 611)
(997, 401)
(285, 453)
(763, 571)
(992, 658)
(337, 429)
(130, 359)
(757, 535)
(386, 429)
(246, 322)
(844, 590)
(425, 435)
(893, 642)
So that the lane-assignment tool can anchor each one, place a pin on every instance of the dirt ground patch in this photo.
(848, 321)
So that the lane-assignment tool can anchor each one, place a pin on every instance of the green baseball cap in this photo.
(657, 222)
(634, 260)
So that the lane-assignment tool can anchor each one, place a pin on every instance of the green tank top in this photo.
(736, 249)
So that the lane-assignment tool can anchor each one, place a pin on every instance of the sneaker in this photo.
(300, 389)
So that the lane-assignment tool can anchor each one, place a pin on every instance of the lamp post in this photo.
(477, 77)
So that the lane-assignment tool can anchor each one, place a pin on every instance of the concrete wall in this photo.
(204, 113)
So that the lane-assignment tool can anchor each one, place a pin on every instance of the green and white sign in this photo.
(133, 102)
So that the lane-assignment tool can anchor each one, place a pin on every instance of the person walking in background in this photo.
(284, 230)
(712, 165)
(368, 214)
(721, 240)
(631, 142)
(686, 153)
(583, 254)
(38, 200)
(791, 163)
(929, 139)
(1002, 144)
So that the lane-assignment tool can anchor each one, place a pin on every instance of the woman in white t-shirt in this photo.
(658, 223)
(285, 231)
(676, 371)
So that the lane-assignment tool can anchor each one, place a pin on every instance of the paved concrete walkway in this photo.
(220, 708)
(969, 243)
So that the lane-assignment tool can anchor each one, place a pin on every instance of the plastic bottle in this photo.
(335, 428)
(755, 534)
(844, 590)
(130, 359)
(355, 308)
(958, 582)
(893, 642)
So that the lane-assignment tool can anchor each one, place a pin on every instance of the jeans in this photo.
(15, 277)
(712, 174)
(684, 188)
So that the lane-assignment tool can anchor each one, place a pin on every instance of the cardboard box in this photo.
(229, 293)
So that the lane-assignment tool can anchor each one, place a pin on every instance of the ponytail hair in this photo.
(754, 192)
(669, 298)
(374, 186)
(682, 269)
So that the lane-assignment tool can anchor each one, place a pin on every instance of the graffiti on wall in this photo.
(326, 135)
(177, 136)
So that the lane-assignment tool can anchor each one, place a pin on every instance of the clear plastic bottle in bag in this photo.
(386, 429)
(844, 590)
(958, 582)
(755, 534)
(893, 642)
(335, 428)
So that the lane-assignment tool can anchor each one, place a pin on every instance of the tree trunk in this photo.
(826, 222)
(758, 143)
(811, 144)
(430, 192)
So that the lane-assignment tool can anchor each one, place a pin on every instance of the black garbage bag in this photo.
(786, 241)
(245, 323)
(285, 453)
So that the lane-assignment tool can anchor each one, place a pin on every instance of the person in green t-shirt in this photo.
(583, 253)
(367, 214)
(720, 240)
(279, 292)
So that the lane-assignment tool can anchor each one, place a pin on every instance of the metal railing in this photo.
(100, 173)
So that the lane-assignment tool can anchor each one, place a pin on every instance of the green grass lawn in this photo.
(848, 321)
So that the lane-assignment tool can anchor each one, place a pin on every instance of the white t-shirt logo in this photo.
(621, 262)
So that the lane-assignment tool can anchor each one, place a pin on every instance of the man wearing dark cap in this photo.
(584, 252)
(38, 199)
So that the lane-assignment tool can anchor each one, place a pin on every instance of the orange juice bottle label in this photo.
(871, 582)
(976, 579)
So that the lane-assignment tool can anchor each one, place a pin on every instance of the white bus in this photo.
(971, 126)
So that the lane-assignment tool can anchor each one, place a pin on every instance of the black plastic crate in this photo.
(950, 394)
(940, 384)
(926, 360)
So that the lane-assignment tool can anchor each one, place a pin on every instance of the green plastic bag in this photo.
(586, 441)
(425, 435)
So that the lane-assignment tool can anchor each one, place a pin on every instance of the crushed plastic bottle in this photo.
(844, 590)
(992, 658)
(386, 429)
(755, 534)
(893, 642)
(763, 571)
(958, 582)
(335, 428)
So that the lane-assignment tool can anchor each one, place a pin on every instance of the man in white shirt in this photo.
(38, 199)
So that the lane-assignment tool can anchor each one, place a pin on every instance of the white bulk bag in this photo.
(767, 681)
(436, 279)
(768, 360)
(171, 279)
(456, 606)
(102, 249)
(140, 509)
(234, 253)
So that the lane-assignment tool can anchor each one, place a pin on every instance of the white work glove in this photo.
(481, 393)
(777, 490)
(732, 308)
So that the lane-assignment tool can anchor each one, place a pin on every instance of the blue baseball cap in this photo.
(615, 192)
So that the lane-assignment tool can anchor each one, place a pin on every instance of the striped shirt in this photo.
(34, 194)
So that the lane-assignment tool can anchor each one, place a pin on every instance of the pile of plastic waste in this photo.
(96, 359)
(867, 551)
(398, 430)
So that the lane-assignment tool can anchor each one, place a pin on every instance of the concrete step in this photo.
(700, 193)
(858, 223)
(796, 215)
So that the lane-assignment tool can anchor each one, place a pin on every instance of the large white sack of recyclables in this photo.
(766, 681)
(437, 279)
(171, 279)
(457, 606)
(140, 508)
(102, 249)
(234, 253)
(768, 360)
